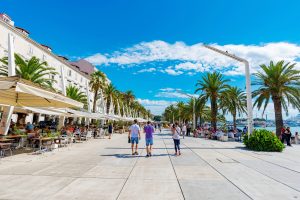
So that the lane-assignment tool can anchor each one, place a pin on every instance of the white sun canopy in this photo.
(15, 91)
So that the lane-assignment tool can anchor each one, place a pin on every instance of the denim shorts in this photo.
(149, 141)
(134, 140)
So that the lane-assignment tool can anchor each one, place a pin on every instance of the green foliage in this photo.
(211, 86)
(34, 70)
(74, 93)
(263, 140)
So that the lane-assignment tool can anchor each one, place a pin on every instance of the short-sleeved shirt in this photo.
(134, 129)
(149, 130)
(176, 134)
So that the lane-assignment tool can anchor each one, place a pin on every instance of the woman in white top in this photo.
(176, 138)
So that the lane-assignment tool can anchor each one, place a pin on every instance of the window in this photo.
(81, 79)
(30, 52)
(70, 73)
(44, 58)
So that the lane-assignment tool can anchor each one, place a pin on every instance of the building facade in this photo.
(68, 73)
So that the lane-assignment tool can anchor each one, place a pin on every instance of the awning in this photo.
(15, 91)
(46, 111)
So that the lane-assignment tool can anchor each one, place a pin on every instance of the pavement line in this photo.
(126, 180)
(264, 160)
(260, 172)
(218, 172)
(270, 162)
(173, 167)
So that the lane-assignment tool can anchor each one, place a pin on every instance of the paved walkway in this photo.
(104, 169)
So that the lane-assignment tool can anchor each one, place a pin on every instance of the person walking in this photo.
(149, 130)
(287, 136)
(110, 130)
(188, 129)
(134, 135)
(183, 130)
(159, 127)
(176, 138)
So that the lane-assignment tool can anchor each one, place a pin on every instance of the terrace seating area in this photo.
(41, 140)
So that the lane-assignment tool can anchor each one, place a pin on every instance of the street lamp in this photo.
(194, 110)
(248, 83)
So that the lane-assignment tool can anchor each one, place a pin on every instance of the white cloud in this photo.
(172, 72)
(157, 107)
(196, 58)
(174, 93)
(97, 59)
(146, 70)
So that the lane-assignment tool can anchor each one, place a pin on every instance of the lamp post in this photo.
(248, 83)
(194, 110)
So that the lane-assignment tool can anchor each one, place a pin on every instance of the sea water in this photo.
(273, 129)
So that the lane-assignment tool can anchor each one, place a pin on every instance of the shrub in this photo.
(263, 140)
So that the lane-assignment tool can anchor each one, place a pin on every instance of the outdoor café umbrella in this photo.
(15, 91)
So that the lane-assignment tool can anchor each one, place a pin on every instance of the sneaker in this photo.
(147, 155)
(136, 153)
(150, 154)
(133, 154)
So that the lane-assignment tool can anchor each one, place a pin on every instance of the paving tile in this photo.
(91, 188)
(151, 189)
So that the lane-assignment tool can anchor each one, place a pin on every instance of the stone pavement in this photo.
(104, 169)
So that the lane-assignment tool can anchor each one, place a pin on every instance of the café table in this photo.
(6, 140)
(41, 140)
(5, 147)
(18, 138)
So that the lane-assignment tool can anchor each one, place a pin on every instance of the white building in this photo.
(75, 73)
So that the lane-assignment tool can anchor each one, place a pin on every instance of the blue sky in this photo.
(154, 47)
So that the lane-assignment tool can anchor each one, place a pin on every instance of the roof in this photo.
(22, 29)
(12, 28)
(4, 14)
(84, 66)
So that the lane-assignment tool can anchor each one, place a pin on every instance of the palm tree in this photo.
(74, 93)
(211, 87)
(110, 94)
(3, 67)
(129, 97)
(280, 82)
(233, 101)
(169, 114)
(180, 107)
(97, 82)
(35, 71)
(202, 110)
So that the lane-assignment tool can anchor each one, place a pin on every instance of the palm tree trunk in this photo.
(234, 120)
(108, 106)
(95, 101)
(214, 112)
(278, 114)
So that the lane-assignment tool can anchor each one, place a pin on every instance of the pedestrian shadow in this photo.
(133, 156)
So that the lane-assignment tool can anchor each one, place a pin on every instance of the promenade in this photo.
(105, 169)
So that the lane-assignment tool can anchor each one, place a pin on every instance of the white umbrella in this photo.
(15, 91)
